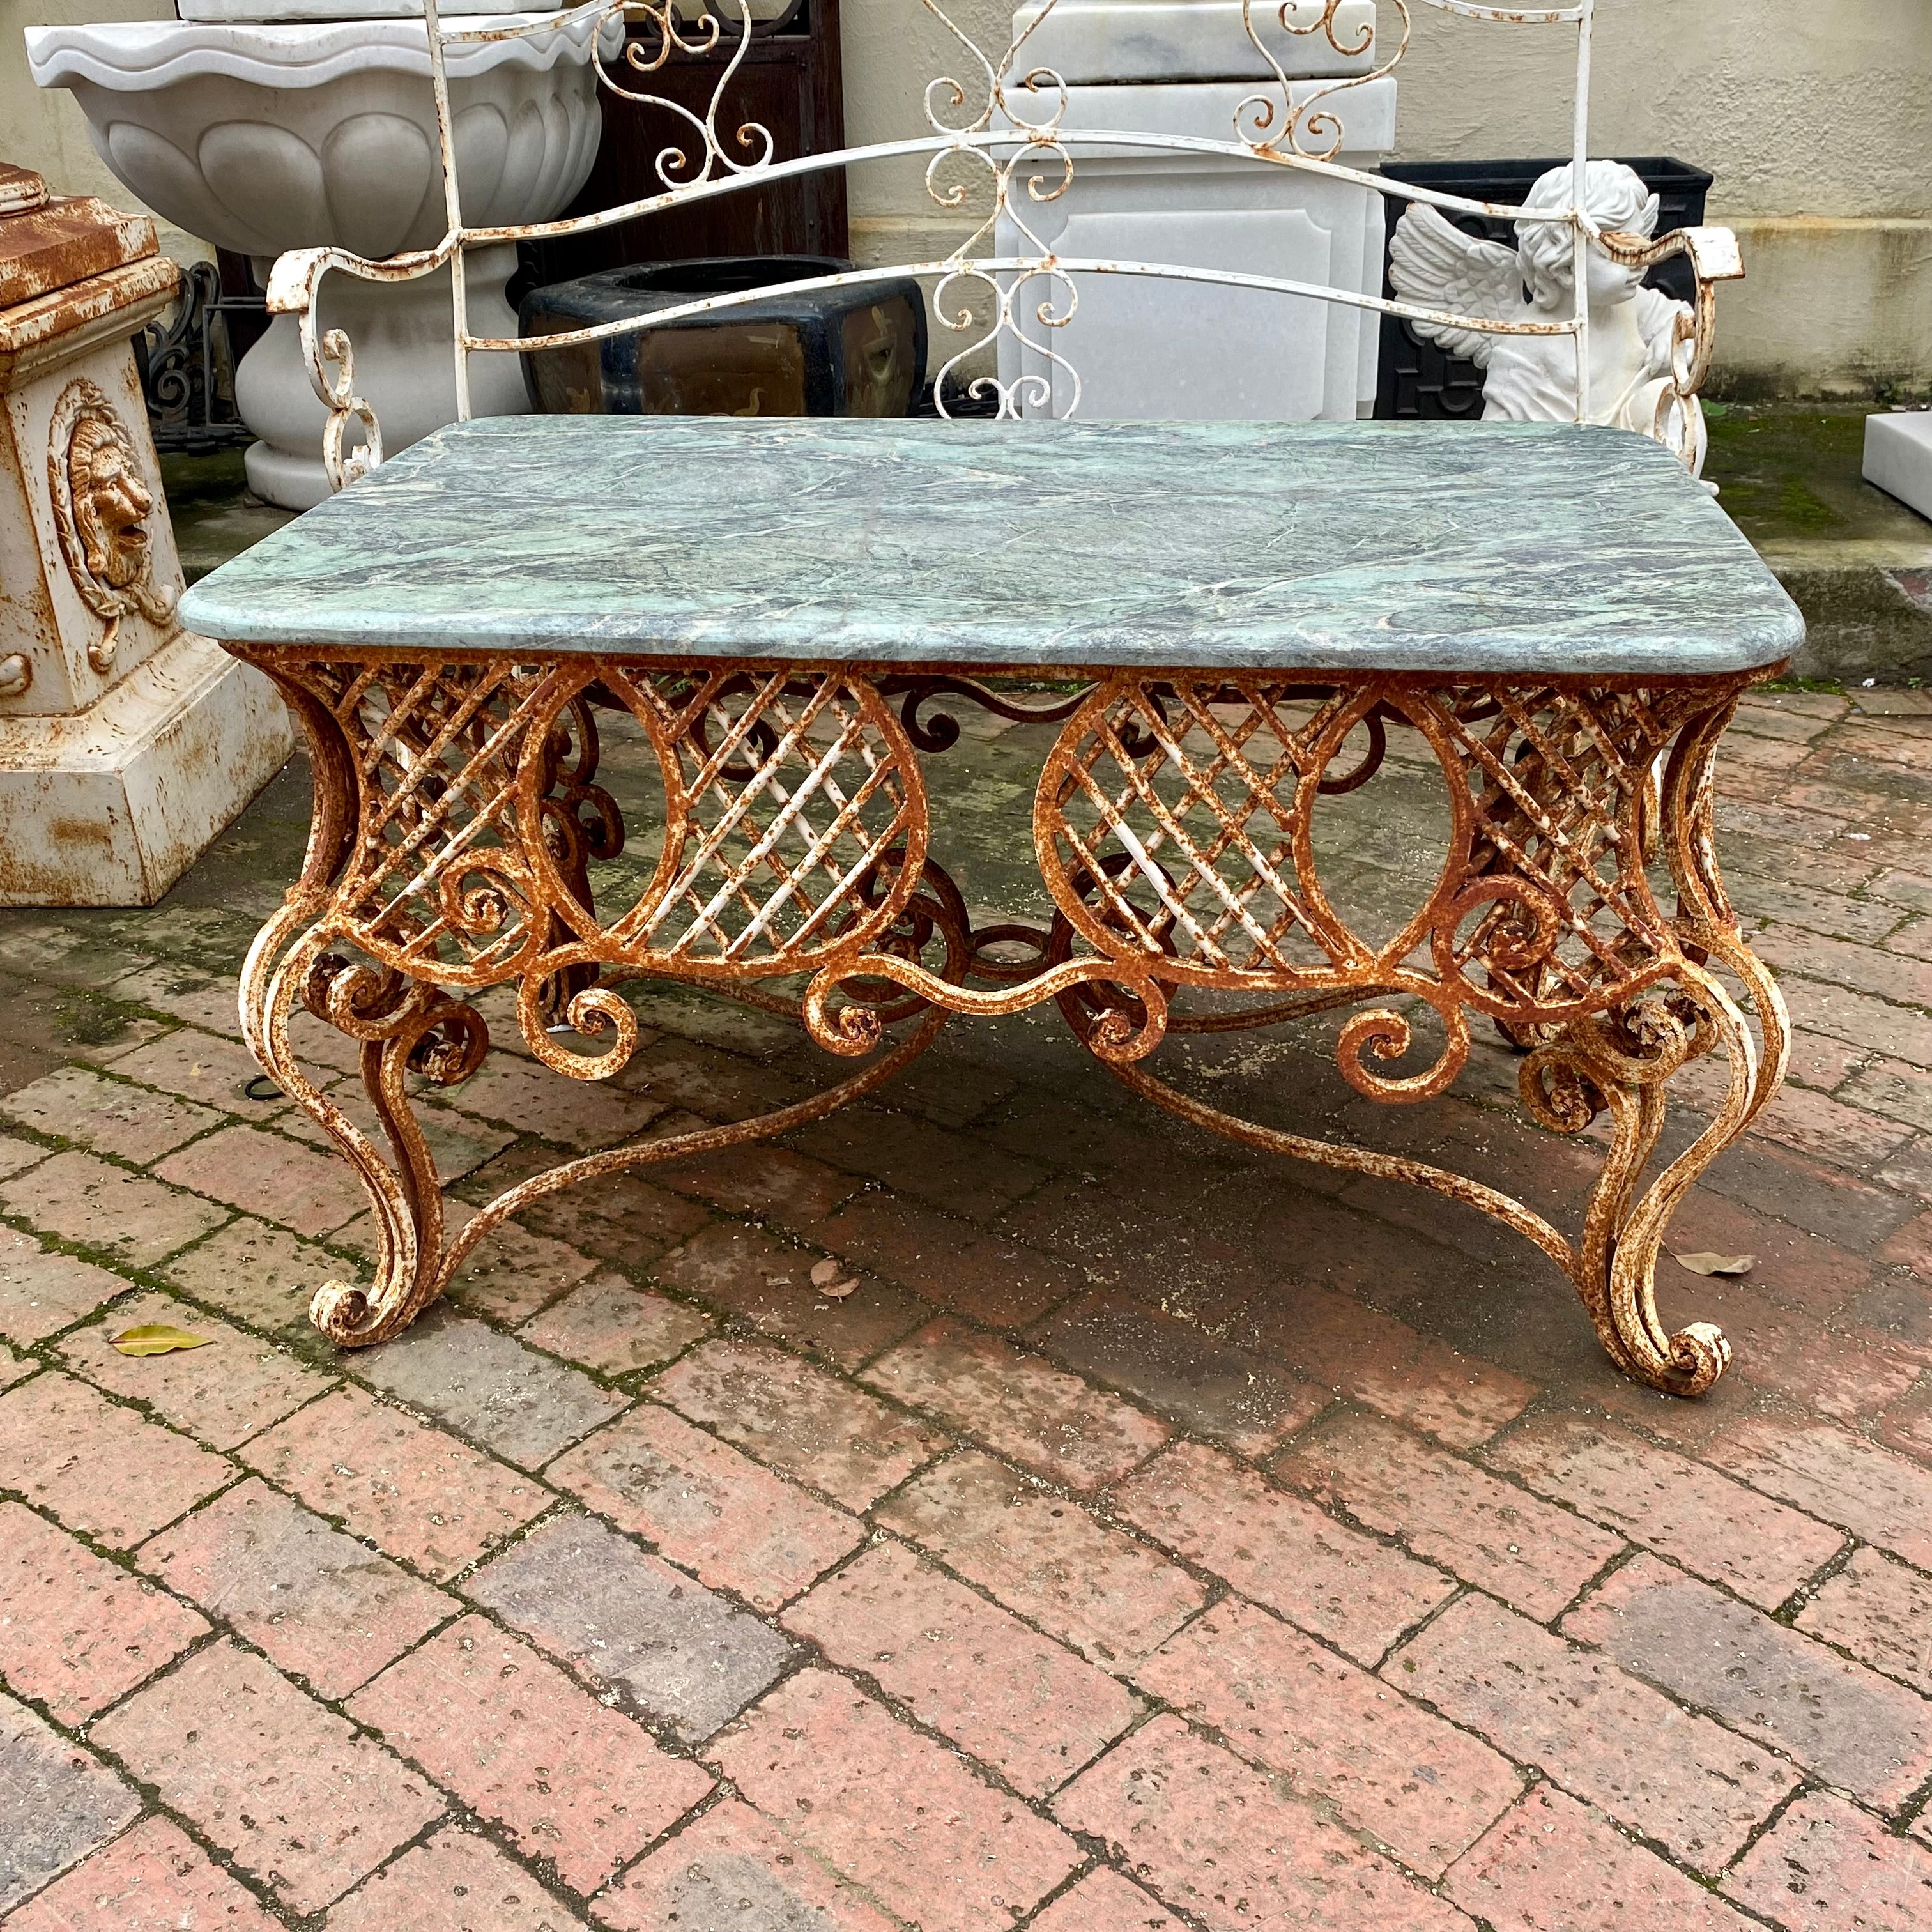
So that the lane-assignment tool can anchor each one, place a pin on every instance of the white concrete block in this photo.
(1898, 457)
(1116, 40)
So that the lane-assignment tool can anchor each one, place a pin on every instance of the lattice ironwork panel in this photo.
(794, 812)
(1555, 903)
(442, 879)
(1178, 811)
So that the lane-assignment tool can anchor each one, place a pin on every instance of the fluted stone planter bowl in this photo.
(261, 137)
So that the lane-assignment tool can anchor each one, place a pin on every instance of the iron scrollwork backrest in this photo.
(999, 146)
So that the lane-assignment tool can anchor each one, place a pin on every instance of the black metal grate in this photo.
(186, 368)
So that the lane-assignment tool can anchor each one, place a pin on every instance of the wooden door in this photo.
(792, 82)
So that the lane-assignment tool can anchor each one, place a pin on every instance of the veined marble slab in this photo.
(1457, 547)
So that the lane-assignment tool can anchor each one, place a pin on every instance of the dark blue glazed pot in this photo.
(850, 352)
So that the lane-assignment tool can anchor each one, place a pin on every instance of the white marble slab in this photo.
(246, 10)
(1114, 40)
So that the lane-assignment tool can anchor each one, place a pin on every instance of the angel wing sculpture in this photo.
(1634, 331)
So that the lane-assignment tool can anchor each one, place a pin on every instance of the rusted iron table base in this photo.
(459, 823)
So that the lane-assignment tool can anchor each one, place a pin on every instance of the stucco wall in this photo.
(1815, 115)
(46, 129)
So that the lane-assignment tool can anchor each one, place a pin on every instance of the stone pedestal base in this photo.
(404, 365)
(110, 805)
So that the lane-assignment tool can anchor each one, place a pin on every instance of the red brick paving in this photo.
(112, 1116)
(1043, 1418)
(1112, 1598)
(799, 1419)
(1218, 1840)
(323, 1605)
(455, 1882)
(1142, 1489)
(1014, 1699)
(734, 1866)
(1488, 1532)
(152, 1878)
(642, 1634)
(1827, 1867)
(1860, 1731)
(1880, 1610)
(231, 1388)
(1427, 1789)
(269, 1174)
(947, 1261)
(1235, 1395)
(608, 1325)
(76, 1632)
(1356, 1351)
(740, 1270)
(576, 1784)
(97, 1466)
(1555, 1866)
(1283, 1551)
(706, 1506)
(943, 1849)
(773, 1182)
(512, 1273)
(122, 1216)
(257, 1274)
(292, 1792)
(1717, 1529)
(1880, 1497)
(58, 1801)
(42, 1290)
(416, 1491)
(1601, 1732)
(1103, 1901)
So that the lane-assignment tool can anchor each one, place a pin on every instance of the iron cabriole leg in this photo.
(460, 800)
(1195, 863)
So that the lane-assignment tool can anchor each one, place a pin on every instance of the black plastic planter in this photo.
(1417, 379)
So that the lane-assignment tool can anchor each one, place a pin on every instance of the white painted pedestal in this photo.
(1146, 349)
(126, 743)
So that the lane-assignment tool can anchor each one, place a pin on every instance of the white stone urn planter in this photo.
(261, 137)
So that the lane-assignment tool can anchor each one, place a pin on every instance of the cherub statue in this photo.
(1634, 330)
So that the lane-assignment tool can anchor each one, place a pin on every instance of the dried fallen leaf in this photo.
(157, 1338)
(837, 1290)
(825, 1272)
(1718, 1264)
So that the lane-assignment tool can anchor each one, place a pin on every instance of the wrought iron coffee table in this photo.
(1561, 616)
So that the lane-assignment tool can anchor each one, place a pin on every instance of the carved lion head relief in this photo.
(101, 508)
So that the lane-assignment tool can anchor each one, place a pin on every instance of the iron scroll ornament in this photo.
(1001, 143)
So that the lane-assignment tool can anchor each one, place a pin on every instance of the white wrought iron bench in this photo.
(1558, 613)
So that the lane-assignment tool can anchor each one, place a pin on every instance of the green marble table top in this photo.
(1484, 548)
